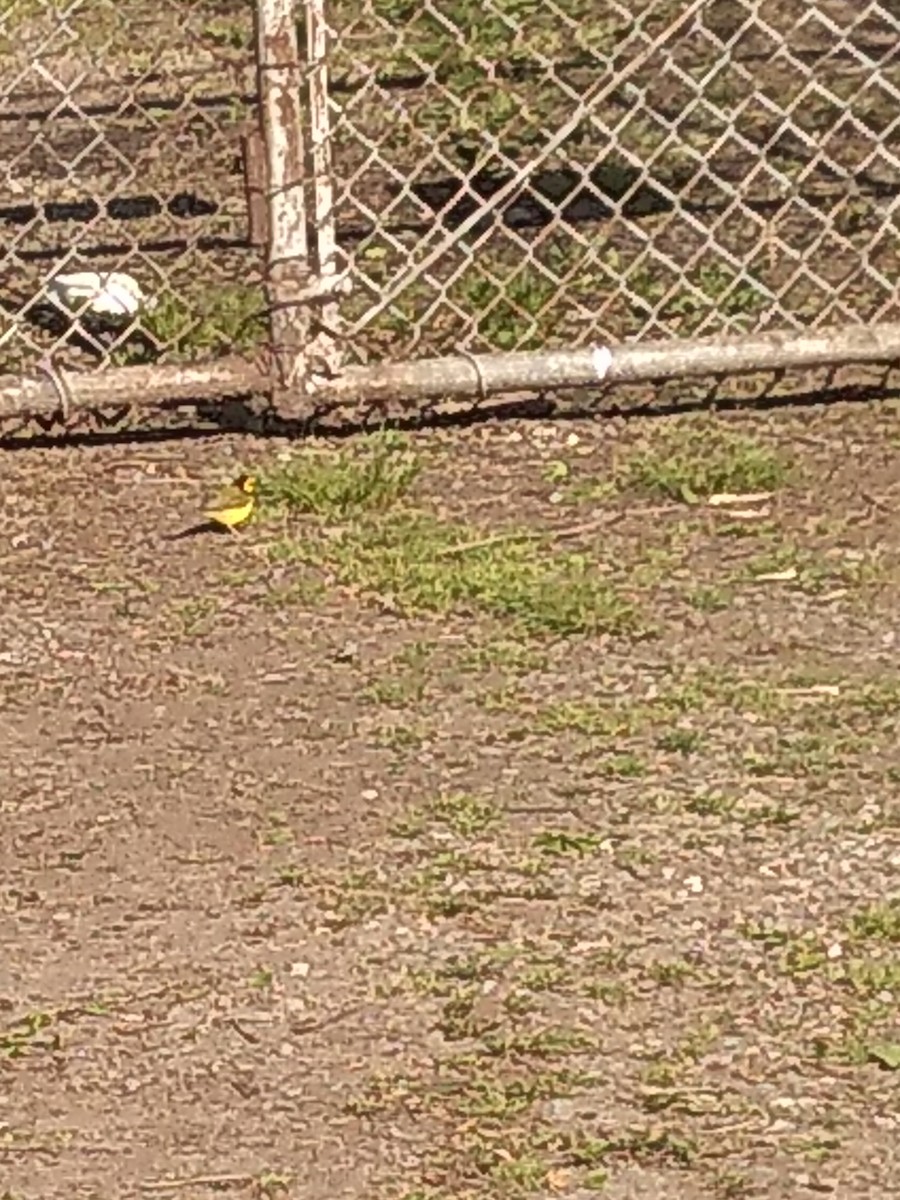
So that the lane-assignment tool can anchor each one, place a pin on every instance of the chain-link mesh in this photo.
(513, 174)
(120, 125)
(507, 174)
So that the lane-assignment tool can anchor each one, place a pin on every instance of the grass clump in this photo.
(225, 319)
(373, 476)
(220, 320)
(691, 462)
(880, 921)
(369, 540)
(409, 556)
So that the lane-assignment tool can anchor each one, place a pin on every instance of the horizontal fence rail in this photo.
(350, 201)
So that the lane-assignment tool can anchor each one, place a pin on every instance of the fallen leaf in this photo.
(886, 1054)
(778, 576)
(725, 498)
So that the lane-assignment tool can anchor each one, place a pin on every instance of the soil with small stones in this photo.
(318, 899)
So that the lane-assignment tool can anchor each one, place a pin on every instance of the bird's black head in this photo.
(246, 483)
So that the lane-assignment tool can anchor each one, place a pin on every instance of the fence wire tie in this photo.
(60, 386)
(476, 367)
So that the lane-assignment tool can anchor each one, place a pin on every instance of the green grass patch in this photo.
(459, 813)
(879, 921)
(369, 540)
(18, 8)
(374, 475)
(501, 654)
(405, 680)
(226, 319)
(691, 461)
(515, 31)
(145, 35)
(28, 1034)
(513, 303)
(815, 733)
(409, 558)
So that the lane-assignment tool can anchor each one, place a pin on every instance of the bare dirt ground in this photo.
(377, 852)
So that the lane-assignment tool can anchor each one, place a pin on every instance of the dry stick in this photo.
(43, 1148)
(566, 531)
(879, 501)
(818, 689)
(526, 535)
(726, 499)
(171, 1185)
(244, 1033)
(325, 1022)
(75, 1010)
(678, 1089)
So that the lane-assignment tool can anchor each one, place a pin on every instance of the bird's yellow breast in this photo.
(231, 514)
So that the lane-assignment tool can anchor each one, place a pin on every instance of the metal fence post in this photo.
(288, 267)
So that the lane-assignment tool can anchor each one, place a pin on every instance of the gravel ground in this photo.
(389, 850)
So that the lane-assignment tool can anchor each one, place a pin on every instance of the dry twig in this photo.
(174, 1185)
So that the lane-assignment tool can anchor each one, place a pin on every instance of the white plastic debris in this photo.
(113, 296)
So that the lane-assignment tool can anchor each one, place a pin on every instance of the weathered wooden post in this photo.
(301, 264)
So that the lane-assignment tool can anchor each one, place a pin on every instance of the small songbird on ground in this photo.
(234, 506)
(229, 510)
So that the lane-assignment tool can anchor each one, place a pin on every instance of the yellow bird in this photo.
(229, 510)
(235, 505)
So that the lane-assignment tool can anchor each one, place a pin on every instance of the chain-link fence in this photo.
(515, 174)
(494, 176)
(121, 190)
